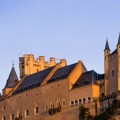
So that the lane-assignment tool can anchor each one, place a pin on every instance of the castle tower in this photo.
(118, 50)
(29, 65)
(11, 82)
(106, 58)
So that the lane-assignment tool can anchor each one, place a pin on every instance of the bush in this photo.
(84, 113)
(53, 111)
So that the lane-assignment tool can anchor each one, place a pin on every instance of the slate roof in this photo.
(119, 39)
(114, 52)
(62, 73)
(87, 78)
(107, 46)
(12, 79)
(33, 80)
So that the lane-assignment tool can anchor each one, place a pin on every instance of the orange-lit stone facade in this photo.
(59, 86)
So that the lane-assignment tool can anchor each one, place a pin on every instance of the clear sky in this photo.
(70, 29)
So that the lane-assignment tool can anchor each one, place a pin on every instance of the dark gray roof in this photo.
(114, 52)
(119, 40)
(33, 80)
(107, 45)
(12, 79)
(88, 78)
(62, 73)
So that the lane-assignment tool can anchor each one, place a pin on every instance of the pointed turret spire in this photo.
(12, 79)
(107, 45)
(119, 40)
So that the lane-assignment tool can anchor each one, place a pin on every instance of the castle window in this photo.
(89, 99)
(52, 105)
(12, 117)
(72, 103)
(113, 72)
(3, 118)
(84, 100)
(36, 110)
(76, 102)
(58, 103)
(27, 113)
(80, 101)
(18, 113)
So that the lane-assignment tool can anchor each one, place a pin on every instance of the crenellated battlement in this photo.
(29, 65)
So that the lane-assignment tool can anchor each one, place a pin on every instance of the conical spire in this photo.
(119, 40)
(107, 45)
(12, 79)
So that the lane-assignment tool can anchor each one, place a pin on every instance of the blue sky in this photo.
(70, 29)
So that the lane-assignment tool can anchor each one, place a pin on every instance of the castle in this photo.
(46, 88)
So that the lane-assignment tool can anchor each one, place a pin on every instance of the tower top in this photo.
(107, 45)
(119, 39)
(12, 79)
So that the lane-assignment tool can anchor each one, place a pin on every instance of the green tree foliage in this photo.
(84, 113)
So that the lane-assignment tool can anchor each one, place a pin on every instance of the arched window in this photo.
(58, 103)
(52, 105)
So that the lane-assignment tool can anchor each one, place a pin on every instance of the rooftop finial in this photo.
(13, 64)
(107, 45)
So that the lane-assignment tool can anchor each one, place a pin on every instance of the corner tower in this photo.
(118, 50)
(11, 82)
(106, 58)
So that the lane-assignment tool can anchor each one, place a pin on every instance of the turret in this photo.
(26, 56)
(42, 61)
(11, 82)
(106, 58)
(21, 66)
(118, 50)
(52, 61)
(63, 62)
(30, 63)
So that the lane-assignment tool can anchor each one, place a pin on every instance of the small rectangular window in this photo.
(36, 110)
(84, 100)
(80, 101)
(27, 113)
(12, 117)
(89, 99)
(72, 103)
(76, 102)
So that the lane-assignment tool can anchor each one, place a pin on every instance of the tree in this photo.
(84, 113)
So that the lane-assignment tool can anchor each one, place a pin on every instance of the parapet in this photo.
(30, 65)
